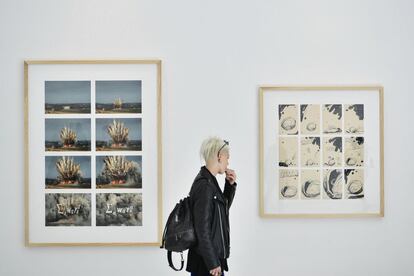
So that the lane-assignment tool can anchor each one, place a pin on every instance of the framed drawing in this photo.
(321, 151)
(93, 152)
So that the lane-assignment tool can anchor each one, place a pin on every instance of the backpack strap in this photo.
(165, 231)
(170, 262)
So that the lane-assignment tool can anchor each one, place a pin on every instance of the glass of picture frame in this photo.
(93, 152)
(321, 151)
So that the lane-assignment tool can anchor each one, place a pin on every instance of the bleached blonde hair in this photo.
(210, 147)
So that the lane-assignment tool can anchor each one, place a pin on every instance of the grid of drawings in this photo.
(93, 153)
(321, 151)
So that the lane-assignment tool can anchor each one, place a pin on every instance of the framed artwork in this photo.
(321, 151)
(93, 152)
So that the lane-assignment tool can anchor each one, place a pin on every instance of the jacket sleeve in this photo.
(229, 191)
(203, 209)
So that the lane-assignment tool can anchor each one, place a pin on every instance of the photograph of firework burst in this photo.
(67, 97)
(68, 172)
(68, 209)
(118, 134)
(68, 134)
(118, 172)
(118, 96)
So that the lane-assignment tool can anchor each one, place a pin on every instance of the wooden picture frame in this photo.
(93, 152)
(313, 142)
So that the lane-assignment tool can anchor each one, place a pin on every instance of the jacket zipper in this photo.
(221, 228)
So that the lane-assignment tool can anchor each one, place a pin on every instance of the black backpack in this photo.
(179, 232)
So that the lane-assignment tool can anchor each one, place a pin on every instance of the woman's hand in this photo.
(216, 271)
(231, 176)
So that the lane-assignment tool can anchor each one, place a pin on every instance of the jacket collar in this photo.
(204, 172)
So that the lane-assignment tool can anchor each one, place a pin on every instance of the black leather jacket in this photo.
(211, 222)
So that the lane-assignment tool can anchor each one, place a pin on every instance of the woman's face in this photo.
(223, 162)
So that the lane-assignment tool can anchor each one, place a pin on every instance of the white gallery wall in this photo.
(215, 55)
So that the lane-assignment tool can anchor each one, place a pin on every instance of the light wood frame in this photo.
(374, 88)
(158, 64)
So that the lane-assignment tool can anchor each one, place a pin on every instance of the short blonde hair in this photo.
(210, 147)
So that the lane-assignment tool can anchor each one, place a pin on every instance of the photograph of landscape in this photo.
(118, 96)
(67, 209)
(67, 97)
(122, 134)
(119, 209)
(67, 134)
(118, 172)
(68, 172)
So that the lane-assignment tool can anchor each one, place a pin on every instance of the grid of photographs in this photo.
(321, 151)
(93, 153)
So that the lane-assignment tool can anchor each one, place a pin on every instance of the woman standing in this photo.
(210, 207)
